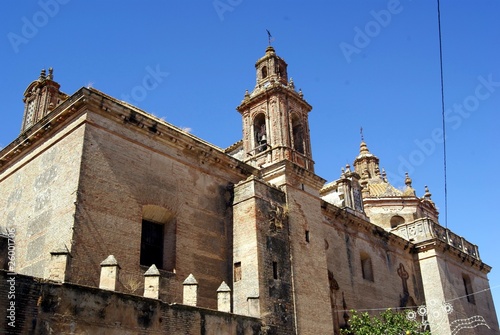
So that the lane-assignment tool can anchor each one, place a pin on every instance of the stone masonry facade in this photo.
(126, 224)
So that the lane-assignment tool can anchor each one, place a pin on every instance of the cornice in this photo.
(458, 255)
(163, 131)
(133, 117)
(273, 89)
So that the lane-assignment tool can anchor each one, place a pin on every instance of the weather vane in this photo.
(269, 37)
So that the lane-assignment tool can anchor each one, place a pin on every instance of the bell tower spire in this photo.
(40, 98)
(275, 117)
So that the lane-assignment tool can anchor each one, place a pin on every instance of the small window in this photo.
(237, 271)
(152, 244)
(468, 289)
(366, 266)
(264, 72)
(275, 270)
(307, 236)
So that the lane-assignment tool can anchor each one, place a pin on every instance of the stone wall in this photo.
(43, 308)
(38, 195)
(262, 270)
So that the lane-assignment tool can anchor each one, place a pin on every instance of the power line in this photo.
(443, 116)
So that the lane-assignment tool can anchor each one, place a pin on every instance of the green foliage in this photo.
(387, 323)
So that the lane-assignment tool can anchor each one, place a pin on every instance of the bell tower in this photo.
(277, 265)
(275, 117)
(40, 98)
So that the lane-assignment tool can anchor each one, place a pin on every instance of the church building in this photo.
(121, 223)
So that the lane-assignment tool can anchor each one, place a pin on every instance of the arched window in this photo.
(260, 132)
(158, 238)
(366, 266)
(396, 220)
(298, 134)
(264, 72)
(281, 72)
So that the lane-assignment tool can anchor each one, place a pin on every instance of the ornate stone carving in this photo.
(278, 216)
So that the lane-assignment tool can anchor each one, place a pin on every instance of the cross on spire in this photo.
(269, 37)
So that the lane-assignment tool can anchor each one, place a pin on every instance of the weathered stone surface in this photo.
(101, 177)
(63, 308)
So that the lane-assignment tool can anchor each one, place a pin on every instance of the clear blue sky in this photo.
(372, 63)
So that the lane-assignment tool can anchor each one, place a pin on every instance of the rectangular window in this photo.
(275, 270)
(468, 289)
(307, 236)
(152, 236)
(237, 271)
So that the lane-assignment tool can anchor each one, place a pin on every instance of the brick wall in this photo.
(125, 169)
(348, 238)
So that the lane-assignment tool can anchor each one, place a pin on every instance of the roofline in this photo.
(124, 111)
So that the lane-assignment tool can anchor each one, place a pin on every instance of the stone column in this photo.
(58, 263)
(152, 283)
(224, 298)
(190, 296)
(437, 289)
(109, 273)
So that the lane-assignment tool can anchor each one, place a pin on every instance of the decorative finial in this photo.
(347, 168)
(384, 175)
(427, 194)
(407, 180)
(300, 93)
(247, 95)
(362, 136)
(42, 74)
(291, 84)
(363, 148)
(51, 74)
